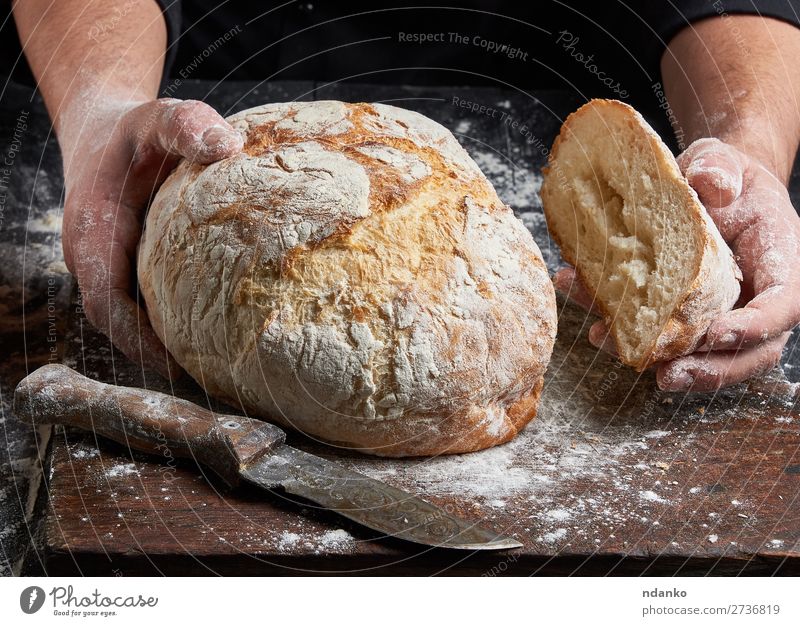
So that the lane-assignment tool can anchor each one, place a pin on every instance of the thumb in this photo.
(184, 128)
(715, 170)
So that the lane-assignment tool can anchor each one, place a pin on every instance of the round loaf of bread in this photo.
(352, 274)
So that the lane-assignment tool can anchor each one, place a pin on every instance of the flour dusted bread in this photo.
(352, 274)
(640, 240)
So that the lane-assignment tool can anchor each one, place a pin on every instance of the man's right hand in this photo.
(115, 165)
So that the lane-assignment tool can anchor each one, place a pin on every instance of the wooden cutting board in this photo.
(614, 476)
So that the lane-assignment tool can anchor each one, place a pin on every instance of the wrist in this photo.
(87, 121)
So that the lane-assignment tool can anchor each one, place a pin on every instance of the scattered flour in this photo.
(547, 451)
(651, 496)
(516, 183)
(288, 540)
(336, 539)
(554, 536)
(122, 469)
(85, 453)
(559, 514)
(48, 223)
(463, 127)
(332, 540)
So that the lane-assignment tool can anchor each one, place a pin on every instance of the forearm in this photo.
(737, 78)
(90, 55)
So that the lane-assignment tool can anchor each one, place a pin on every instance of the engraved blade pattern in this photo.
(369, 502)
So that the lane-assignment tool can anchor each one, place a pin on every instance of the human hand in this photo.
(753, 212)
(112, 167)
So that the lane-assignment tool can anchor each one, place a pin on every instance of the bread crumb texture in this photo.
(638, 236)
(352, 274)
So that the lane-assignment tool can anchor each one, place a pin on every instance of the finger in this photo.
(600, 338)
(713, 370)
(774, 306)
(103, 270)
(111, 310)
(127, 326)
(714, 170)
(185, 128)
(567, 282)
(766, 316)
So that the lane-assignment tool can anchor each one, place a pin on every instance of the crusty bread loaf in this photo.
(352, 274)
(640, 240)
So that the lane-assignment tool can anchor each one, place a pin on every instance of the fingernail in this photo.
(220, 137)
(680, 381)
(596, 337)
(727, 340)
(726, 181)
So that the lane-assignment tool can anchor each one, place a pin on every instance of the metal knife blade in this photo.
(239, 448)
(369, 502)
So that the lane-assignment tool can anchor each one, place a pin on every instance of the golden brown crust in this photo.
(353, 275)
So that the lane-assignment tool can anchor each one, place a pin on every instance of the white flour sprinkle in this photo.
(48, 223)
(122, 469)
(559, 514)
(546, 452)
(288, 539)
(651, 496)
(463, 127)
(336, 539)
(554, 536)
(85, 453)
(516, 183)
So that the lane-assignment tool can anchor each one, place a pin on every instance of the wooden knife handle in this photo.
(145, 420)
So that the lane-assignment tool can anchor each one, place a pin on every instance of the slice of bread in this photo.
(640, 240)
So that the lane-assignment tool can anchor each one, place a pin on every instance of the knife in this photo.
(240, 449)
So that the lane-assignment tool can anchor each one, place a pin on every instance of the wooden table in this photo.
(613, 477)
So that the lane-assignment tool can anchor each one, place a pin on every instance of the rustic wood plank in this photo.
(612, 477)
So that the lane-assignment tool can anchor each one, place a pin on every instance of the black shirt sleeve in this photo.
(663, 20)
(172, 15)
